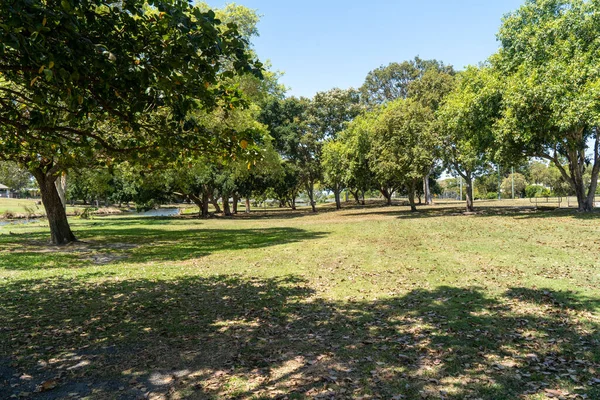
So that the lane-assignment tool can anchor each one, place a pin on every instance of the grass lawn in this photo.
(20, 206)
(364, 303)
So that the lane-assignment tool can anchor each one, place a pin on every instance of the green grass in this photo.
(19, 206)
(361, 303)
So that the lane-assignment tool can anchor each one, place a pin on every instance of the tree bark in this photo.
(214, 201)
(387, 194)
(411, 195)
(469, 194)
(356, 195)
(427, 189)
(338, 201)
(60, 231)
(61, 188)
(310, 190)
(205, 201)
(247, 211)
(576, 158)
(226, 209)
(235, 203)
(198, 201)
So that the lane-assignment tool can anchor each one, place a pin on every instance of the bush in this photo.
(8, 215)
(533, 191)
(146, 205)
(492, 195)
(544, 193)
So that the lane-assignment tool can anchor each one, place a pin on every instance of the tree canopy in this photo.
(90, 80)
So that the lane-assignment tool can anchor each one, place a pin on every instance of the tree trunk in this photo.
(235, 203)
(577, 161)
(60, 231)
(198, 201)
(427, 190)
(310, 190)
(293, 202)
(469, 194)
(338, 201)
(214, 201)
(411, 195)
(387, 195)
(205, 200)
(247, 211)
(356, 195)
(226, 209)
(61, 188)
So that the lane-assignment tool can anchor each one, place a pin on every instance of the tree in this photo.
(334, 169)
(548, 61)
(88, 81)
(392, 82)
(403, 148)
(430, 89)
(357, 141)
(465, 125)
(14, 177)
(516, 181)
(327, 115)
(330, 112)
(293, 139)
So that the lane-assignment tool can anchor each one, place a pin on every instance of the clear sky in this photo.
(324, 44)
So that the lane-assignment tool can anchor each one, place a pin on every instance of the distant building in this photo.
(4, 191)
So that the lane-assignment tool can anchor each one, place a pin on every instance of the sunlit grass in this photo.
(363, 302)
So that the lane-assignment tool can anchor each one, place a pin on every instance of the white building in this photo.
(4, 191)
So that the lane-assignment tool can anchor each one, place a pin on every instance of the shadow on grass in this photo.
(480, 211)
(109, 242)
(238, 337)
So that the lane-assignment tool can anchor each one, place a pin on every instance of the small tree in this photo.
(516, 181)
(334, 169)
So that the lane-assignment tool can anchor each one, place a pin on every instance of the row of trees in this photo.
(170, 99)
(536, 97)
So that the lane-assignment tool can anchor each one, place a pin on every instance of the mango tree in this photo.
(86, 81)
(548, 60)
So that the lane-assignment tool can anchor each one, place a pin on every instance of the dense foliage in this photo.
(156, 101)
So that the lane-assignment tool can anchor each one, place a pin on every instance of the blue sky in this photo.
(324, 44)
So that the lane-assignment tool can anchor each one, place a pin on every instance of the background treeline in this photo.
(533, 108)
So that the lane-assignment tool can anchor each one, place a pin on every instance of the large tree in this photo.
(403, 147)
(549, 61)
(327, 115)
(393, 81)
(465, 122)
(91, 80)
(357, 143)
(430, 90)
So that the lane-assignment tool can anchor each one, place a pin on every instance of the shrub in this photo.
(492, 195)
(544, 193)
(533, 191)
(8, 215)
